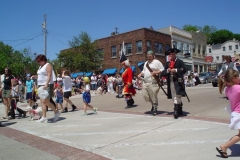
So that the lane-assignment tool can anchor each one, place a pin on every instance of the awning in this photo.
(140, 63)
(133, 68)
(121, 71)
(110, 71)
(87, 74)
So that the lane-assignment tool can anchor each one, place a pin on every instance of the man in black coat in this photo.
(175, 70)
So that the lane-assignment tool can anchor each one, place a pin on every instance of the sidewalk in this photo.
(134, 137)
(130, 134)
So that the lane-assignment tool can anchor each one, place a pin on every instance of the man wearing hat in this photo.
(175, 70)
(152, 67)
(128, 89)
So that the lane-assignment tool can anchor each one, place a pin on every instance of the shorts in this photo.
(67, 94)
(6, 93)
(94, 86)
(59, 100)
(29, 95)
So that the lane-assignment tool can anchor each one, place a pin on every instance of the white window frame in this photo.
(158, 48)
(230, 48)
(224, 48)
(112, 52)
(139, 48)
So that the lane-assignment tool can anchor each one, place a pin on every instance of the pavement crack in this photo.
(139, 134)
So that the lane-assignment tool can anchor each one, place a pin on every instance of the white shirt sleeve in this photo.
(87, 87)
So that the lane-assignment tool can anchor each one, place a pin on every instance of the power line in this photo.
(62, 35)
(57, 39)
(21, 39)
(28, 40)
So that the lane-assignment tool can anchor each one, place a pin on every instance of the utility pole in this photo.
(44, 26)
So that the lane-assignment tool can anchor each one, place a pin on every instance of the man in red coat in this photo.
(128, 89)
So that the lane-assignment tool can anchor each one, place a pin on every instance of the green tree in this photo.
(208, 31)
(189, 27)
(237, 36)
(221, 36)
(19, 62)
(83, 54)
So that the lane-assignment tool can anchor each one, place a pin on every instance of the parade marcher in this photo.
(6, 91)
(45, 79)
(29, 88)
(232, 91)
(67, 90)
(150, 88)
(175, 70)
(227, 64)
(86, 95)
(128, 89)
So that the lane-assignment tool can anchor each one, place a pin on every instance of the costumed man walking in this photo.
(128, 89)
(175, 70)
(150, 88)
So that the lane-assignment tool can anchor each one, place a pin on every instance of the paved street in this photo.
(120, 134)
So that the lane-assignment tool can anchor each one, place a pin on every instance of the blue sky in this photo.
(21, 20)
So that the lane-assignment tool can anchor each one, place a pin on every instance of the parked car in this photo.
(206, 77)
(215, 80)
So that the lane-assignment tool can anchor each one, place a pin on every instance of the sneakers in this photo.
(95, 110)
(85, 114)
(56, 116)
(42, 120)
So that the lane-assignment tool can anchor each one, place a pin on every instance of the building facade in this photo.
(192, 43)
(137, 43)
(217, 51)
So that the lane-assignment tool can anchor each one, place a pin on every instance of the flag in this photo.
(122, 54)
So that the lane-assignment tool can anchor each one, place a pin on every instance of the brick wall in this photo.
(143, 35)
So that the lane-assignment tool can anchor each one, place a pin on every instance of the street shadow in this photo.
(8, 124)
(51, 120)
(88, 114)
(127, 107)
(224, 97)
(235, 150)
(167, 113)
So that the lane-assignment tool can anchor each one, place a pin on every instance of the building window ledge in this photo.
(114, 57)
(159, 54)
(139, 53)
(129, 54)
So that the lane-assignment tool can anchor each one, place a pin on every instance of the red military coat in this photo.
(127, 80)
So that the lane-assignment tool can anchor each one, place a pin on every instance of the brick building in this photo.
(137, 43)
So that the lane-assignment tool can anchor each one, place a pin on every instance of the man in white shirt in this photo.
(94, 83)
(150, 86)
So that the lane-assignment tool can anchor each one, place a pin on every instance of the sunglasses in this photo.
(6, 70)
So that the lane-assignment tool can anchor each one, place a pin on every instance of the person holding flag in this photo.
(128, 89)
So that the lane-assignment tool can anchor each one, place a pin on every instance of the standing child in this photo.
(67, 90)
(59, 97)
(87, 96)
(232, 91)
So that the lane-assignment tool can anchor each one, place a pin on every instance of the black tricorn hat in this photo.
(172, 50)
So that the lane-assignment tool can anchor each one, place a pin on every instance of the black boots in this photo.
(177, 110)
(130, 102)
(154, 110)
